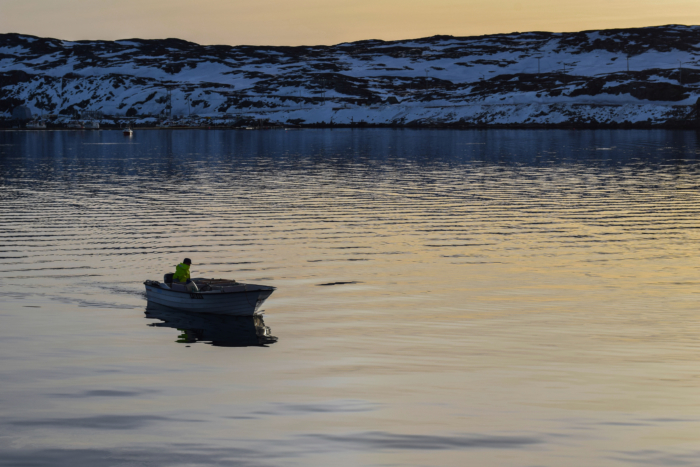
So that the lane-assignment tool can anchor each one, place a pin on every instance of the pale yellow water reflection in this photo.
(500, 298)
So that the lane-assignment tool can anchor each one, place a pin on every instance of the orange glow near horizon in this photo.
(317, 22)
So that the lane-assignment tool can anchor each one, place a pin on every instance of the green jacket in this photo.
(182, 272)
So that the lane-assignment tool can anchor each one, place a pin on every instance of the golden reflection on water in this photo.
(535, 301)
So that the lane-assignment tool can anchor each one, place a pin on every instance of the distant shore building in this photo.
(22, 113)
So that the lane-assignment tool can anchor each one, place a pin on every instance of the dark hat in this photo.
(187, 261)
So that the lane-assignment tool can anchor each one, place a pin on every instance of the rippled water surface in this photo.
(486, 298)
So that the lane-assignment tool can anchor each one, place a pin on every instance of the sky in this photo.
(327, 22)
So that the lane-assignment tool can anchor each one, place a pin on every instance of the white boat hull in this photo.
(242, 300)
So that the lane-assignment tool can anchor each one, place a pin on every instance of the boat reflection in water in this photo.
(218, 330)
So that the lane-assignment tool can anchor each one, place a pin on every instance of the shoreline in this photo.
(672, 125)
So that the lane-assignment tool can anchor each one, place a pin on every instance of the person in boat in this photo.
(182, 275)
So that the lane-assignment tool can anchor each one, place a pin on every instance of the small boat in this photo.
(36, 125)
(128, 132)
(218, 296)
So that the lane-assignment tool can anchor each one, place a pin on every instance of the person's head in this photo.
(187, 261)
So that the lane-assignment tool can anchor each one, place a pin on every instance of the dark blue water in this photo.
(491, 298)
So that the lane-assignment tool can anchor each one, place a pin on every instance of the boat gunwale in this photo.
(263, 288)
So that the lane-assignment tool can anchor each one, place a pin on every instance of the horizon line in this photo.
(355, 41)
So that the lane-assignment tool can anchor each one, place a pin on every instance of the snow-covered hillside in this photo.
(636, 75)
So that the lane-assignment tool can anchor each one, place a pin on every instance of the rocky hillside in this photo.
(634, 75)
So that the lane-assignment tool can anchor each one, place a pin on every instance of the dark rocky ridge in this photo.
(468, 80)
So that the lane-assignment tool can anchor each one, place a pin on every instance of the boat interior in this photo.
(204, 285)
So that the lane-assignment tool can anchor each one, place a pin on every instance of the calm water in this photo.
(495, 298)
